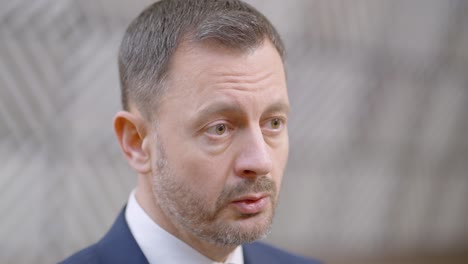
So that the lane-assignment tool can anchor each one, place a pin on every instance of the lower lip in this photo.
(251, 207)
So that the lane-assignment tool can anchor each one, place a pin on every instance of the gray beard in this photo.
(185, 209)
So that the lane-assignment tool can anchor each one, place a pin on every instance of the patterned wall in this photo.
(379, 151)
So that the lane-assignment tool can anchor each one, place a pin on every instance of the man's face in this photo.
(221, 143)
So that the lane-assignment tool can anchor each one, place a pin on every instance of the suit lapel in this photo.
(252, 256)
(119, 245)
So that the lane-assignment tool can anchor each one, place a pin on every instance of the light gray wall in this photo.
(378, 133)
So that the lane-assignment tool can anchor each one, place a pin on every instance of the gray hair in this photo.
(152, 38)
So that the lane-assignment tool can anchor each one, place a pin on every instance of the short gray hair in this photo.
(152, 38)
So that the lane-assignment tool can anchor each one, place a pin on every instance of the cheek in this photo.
(280, 159)
(206, 176)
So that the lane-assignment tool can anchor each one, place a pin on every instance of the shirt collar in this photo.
(159, 246)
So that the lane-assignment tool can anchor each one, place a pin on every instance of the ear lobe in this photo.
(132, 136)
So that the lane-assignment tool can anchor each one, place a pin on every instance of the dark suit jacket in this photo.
(119, 246)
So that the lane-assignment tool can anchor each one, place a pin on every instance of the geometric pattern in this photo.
(378, 146)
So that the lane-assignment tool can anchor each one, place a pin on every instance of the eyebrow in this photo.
(278, 107)
(218, 108)
(233, 108)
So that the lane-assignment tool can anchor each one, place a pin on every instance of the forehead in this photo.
(203, 72)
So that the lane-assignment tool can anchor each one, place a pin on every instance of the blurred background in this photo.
(378, 169)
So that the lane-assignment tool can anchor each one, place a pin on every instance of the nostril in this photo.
(249, 174)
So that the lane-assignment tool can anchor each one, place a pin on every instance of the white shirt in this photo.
(159, 246)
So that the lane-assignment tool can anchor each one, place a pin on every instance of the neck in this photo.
(145, 198)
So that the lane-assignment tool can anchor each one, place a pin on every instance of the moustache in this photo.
(258, 185)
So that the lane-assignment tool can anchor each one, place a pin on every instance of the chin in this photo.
(232, 228)
(238, 232)
(252, 223)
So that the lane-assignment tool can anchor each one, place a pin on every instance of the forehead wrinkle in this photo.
(242, 82)
(238, 74)
(244, 77)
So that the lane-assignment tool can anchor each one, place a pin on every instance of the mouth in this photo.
(251, 204)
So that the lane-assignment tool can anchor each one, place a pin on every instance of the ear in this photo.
(134, 140)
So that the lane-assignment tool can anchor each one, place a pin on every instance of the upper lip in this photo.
(251, 197)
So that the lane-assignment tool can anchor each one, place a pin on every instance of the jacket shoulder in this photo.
(118, 246)
(258, 252)
(86, 256)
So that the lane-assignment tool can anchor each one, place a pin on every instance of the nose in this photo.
(254, 157)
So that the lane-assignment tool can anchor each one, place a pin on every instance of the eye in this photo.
(219, 129)
(274, 126)
(276, 123)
